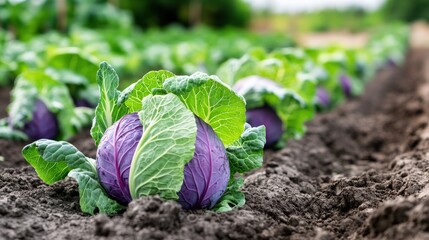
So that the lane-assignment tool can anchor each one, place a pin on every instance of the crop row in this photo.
(184, 137)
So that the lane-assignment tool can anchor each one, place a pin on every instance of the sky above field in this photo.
(293, 6)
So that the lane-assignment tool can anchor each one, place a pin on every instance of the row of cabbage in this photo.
(175, 48)
(285, 87)
(186, 138)
(57, 71)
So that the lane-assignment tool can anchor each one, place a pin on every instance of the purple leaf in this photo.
(114, 156)
(44, 124)
(207, 174)
(268, 117)
(346, 85)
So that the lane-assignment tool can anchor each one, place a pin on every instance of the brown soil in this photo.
(361, 172)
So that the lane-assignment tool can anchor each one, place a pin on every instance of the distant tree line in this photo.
(217, 13)
(26, 18)
(406, 10)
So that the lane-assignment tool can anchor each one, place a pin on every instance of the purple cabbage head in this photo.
(268, 117)
(44, 124)
(264, 115)
(322, 97)
(114, 155)
(205, 176)
(346, 85)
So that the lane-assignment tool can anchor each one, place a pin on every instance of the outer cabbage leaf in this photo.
(108, 109)
(233, 197)
(73, 60)
(59, 102)
(7, 132)
(67, 76)
(53, 161)
(167, 144)
(92, 197)
(114, 156)
(247, 153)
(234, 69)
(21, 108)
(244, 155)
(134, 94)
(207, 174)
(289, 106)
(212, 101)
(76, 69)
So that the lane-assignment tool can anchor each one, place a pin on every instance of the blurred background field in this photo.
(306, 46)
(182, 36)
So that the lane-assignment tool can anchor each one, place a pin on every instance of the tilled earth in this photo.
(361, 172)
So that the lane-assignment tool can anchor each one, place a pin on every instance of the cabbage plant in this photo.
(179, 137)
(54, 99)
(41, 107)
(282, 111)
